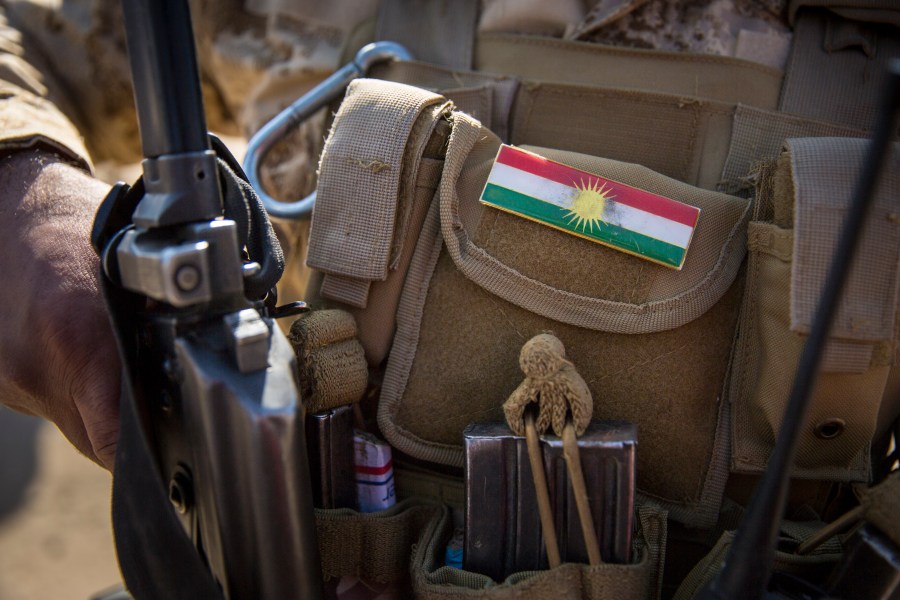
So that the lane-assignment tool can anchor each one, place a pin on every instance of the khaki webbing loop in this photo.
(758, 135)
(332, 368)
(824, 171)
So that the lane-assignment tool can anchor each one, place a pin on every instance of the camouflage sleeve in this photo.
(64, 76)
(65, 79)
(28, 115)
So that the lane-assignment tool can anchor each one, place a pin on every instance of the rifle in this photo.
(211, 491)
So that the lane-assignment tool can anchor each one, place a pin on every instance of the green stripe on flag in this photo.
(556, 216)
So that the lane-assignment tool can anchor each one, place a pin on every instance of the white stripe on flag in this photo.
(561, 195)
(532, 185)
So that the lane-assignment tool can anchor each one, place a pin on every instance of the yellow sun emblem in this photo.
(588, 206)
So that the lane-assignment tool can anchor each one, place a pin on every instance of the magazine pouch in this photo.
(791, 246)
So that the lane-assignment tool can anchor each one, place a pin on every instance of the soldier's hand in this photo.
(58, 357)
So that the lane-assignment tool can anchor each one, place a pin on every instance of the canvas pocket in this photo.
(375, 547)
(636, 581)
(787, 267)
(652, 343)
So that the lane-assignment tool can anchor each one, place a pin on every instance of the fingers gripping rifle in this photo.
(211, 492)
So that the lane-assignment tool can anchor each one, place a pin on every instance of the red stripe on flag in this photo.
(623, 193)
(366, 470)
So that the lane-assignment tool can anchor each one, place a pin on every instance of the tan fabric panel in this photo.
(765, 364)
(758, 135)
(719, 233)
(354, 292)
(377, 319)
(463, 364)
(372, 546)
(718, 78)
(434, 77)
(414, 481)
(824, 172)
(477, 102)
(683, 138)
(837, 69)
(637, 581)
(468, 89)
(847, 357)
(440, 31)
(350, 235)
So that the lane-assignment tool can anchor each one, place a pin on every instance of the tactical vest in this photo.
(445, 290)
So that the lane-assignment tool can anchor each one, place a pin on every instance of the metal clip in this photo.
(303, 108)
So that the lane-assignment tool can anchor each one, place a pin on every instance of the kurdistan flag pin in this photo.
(602, 210)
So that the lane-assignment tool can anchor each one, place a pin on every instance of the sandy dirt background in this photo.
(55, 533)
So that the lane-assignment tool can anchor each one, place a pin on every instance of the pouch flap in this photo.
(824, 172)
(577, 281)
(353, 235)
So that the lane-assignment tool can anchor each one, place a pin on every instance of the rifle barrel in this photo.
(165, 77)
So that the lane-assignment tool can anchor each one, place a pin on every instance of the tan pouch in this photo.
(789, 258)
(652, 343)
(639, 580)
(372, 550)
(815, 566)
(402, 551)
(376, 182)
